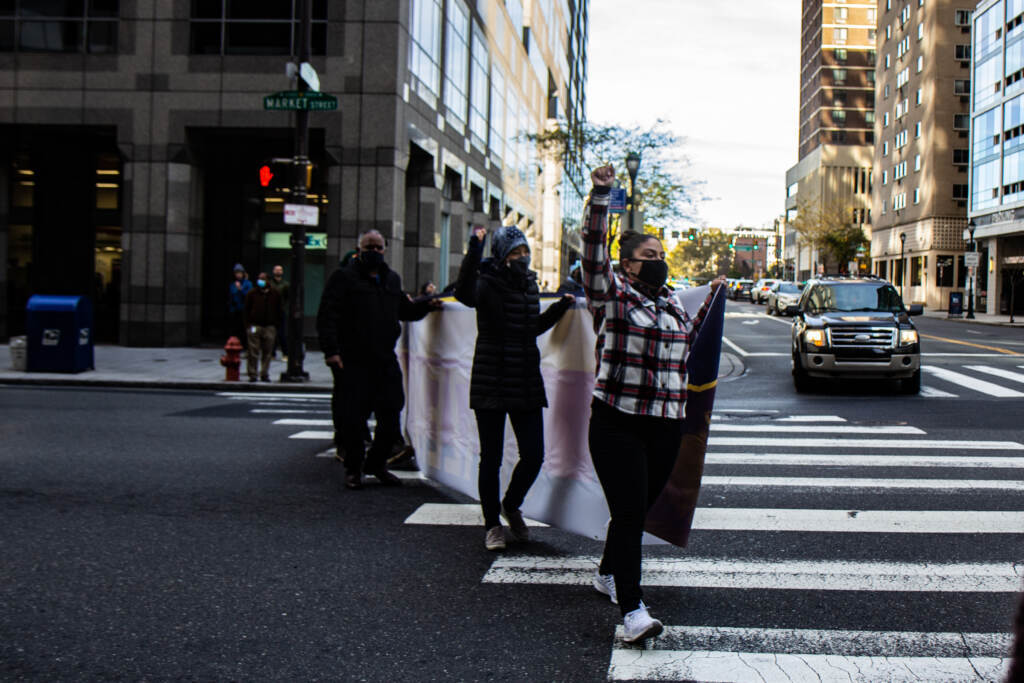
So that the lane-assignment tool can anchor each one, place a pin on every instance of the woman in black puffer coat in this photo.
(506, 370)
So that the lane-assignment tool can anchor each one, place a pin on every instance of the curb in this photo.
(257, 387)
(736, 367)
(975, 321)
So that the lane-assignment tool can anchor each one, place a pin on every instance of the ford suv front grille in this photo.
(863, 337)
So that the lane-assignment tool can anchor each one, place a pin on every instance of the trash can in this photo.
(956, 304)
(17, 348)
(59, 333)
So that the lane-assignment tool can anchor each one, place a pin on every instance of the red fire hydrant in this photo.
(232, 359)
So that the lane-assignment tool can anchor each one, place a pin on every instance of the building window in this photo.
(839, 35)
(221, 27)
(840, 55)
(425, 46)
(918, 266)
(917, 163)
(960, 191)
(920, 31)
(888, 61)
(962, 87)
(839, 75)
(497, 143)
(885, 92)
(456, 60)
(478, 89)
(917, 195)
(961, 121)
(841, 15)
(838, 116)
(885, 148)
(920, 63)
(839, 136)
(963, 17)
(963, 52)
(869, 117)
(961, 157)
(919, 97)
(82, 27)
(872, 14)
(885, 177)
(917, 129)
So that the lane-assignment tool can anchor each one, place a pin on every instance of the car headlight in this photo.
(908, 337)
(815, 337)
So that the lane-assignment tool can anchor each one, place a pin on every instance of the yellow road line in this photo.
(977, 346)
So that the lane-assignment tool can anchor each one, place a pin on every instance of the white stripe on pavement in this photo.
(781, 443)
(972, 383)
(998, 372)
(843, 460)
(288, 411)
(301, 422)
(863, 483)
(987, 663)
(932, 392)
(811, 418)
(790, 429)
(271, 395)
(729, 572)
(734, 347)
(313, 435)
(781, 519)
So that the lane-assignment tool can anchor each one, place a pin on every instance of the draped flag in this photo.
(671, 516)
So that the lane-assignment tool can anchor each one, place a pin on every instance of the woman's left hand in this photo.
(569, 297)
(717, 282)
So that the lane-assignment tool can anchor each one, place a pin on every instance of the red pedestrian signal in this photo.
(266, 175)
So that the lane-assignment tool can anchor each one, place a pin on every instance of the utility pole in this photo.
(301, 176)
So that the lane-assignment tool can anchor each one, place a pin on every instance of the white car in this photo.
(759, 292)
(782, 295)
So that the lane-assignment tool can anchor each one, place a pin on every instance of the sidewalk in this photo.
(979, 318)
(168, 368)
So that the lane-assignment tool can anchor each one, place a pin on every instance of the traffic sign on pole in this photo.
(972, 259)
(293, 100)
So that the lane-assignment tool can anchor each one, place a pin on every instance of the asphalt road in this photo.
(177, 535)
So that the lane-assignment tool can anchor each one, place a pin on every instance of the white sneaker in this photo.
(605, 583)
(639, 625)
(495, 538)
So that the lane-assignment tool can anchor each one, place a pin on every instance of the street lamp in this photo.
(970, 281)
(632, 166)
(903, 266)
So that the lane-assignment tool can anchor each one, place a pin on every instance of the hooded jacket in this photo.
(506, 362)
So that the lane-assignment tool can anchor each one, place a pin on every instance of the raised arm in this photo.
(465, 286)
(598, 282)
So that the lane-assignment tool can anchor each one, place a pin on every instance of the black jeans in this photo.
(359, 391)
(633, 456)
(529, 428)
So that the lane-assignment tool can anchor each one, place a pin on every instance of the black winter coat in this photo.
(506, 363)
(359, 315)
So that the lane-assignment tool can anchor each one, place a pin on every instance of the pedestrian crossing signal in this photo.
(266, 175)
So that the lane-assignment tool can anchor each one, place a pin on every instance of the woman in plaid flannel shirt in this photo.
(637, 409)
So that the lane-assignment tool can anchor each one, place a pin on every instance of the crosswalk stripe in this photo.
(932, 392)
(796, 429)
(812, 418)
(303, 422)
(313, 435)
(782, 443)
(856, 460)
(998, 372)
(853, 483)
(254, 395)
(288, 411)
(782, 519)
(691, 653)
(975, 384)
(727, 572)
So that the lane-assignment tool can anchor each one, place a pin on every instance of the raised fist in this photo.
(604, 176)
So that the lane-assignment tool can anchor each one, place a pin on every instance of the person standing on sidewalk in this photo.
(237, 291)
(359, 324)
(506, 379)
(636, 424)
(283, 289)
(262, 315)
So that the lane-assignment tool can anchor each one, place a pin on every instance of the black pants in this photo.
(359, 391)
(529, 428)
(633, 456)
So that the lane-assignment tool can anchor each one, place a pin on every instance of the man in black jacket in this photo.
(358, 325)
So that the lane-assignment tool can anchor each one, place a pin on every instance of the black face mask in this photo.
(371, 259)
(653, 273)
(520, 266)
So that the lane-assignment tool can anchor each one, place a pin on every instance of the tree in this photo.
(829, 227)
(666, 195)
(701, 259)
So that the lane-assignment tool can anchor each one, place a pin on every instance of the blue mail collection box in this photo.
(59, 334)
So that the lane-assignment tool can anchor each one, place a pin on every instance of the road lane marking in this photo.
(932, 392)
(782, 519)
(813, 429)
(963, 355)
(866, 483)
(1007, 352)
(287, 411)
(811, 418)
(767, 354)
(807, 655)
(300, 422)
(733, 346)
(270, 395)
(997, 372)
(972, 383)
(728, 572)
(783, 443)
(843, 460)
(787, 323)
(313, 435)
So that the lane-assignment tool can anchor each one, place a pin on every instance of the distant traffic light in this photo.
(692, 235)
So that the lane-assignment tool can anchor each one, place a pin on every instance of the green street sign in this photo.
(293, 100)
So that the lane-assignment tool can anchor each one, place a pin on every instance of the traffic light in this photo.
(756, 245)
(692, 235)
(266, 175)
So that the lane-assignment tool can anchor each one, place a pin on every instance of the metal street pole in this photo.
(300, 178)
(903, 265)
(632, 166)
(973, 270)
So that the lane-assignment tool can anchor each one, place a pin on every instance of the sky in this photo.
(727, 77)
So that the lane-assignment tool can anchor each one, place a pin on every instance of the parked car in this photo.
(759, 292)
(855, 327)
(741, 289)
(783, 295)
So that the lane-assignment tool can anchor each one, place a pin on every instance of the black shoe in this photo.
(264, 379)
(353, 481)
(252, 380)
(386, 478)
(404, 460)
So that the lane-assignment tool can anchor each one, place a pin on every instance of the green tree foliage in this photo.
(666, 195)
(703, 258)
(829, 228)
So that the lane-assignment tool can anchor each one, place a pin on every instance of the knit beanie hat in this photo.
(238, 267)
(505, 239)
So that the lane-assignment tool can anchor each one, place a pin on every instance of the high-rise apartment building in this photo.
(997, 153)
(133, 134)
(923, 81)
(837, 103)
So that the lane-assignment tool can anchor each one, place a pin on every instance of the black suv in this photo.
(855, 327)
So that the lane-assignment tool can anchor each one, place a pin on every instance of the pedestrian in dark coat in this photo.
(237, 291)
(262, 315)
(358, 324)
(506, 377)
